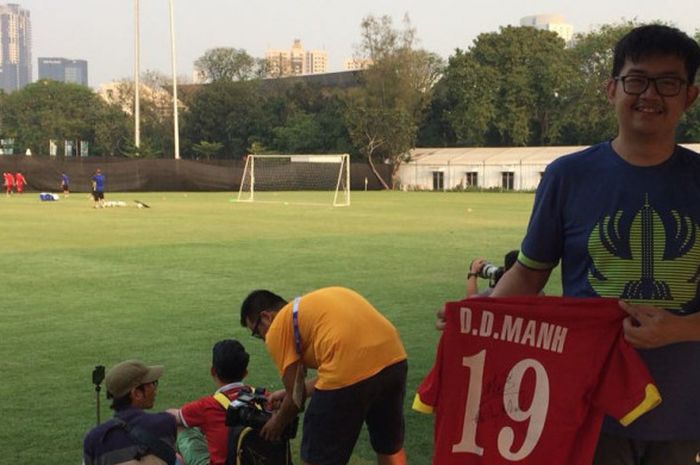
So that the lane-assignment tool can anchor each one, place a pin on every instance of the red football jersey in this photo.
(209, 416)
(528, 380)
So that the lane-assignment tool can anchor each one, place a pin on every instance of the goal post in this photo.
(313, 179)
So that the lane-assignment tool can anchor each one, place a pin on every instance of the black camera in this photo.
(98, 375)
(491, 272)
(249, 410)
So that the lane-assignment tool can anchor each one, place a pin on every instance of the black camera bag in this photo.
(246, 447)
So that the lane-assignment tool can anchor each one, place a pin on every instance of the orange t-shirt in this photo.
(343, 337)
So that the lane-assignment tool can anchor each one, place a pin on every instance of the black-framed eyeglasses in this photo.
(254, 332)
(666, 86)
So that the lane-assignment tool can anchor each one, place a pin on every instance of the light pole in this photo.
(176, 132)
(137, 72)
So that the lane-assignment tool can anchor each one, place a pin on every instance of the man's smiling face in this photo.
(650, 113)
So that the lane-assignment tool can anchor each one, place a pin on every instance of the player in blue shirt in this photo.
(65, 181)
(98, 188)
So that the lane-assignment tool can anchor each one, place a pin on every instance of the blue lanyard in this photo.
(295, 323)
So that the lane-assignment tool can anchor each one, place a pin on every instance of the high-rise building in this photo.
(64, 70)
(554, 23)
(15, 47)
(295, 61)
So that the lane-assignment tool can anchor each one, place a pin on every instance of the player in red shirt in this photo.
(20, 181)
(229, 367)
(9, 182)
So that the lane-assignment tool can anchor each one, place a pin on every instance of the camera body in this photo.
(249, 410)
(491, 272)
(98, 375)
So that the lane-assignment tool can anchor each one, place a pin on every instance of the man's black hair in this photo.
(510, 259)
(230, 360)
(260, 301)
(657, 40)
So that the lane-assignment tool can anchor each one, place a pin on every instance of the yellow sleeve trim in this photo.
(419, 406)
(651, 400)
(533, 264)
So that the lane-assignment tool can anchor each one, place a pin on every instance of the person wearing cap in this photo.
(132, 386)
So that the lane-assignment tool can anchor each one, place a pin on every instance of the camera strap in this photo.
(142, 437)
(299, 390)
(295, 323)
(222, 399)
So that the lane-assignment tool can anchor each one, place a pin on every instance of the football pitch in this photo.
(81, 287)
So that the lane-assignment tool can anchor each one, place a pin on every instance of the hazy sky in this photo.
(101, 31)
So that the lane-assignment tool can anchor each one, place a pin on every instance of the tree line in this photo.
(518, 86)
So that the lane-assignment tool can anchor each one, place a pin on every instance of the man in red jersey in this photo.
(9, 182)
(204, 439)
(20, 181)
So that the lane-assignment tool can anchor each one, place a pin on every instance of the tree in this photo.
(301, 134)
(505, 89)
(112, 130)
(48, 110)
(383, 114)
(306, 117)
(229, 113)
(689, 130)
(586, 117)
(207, 149)
(228, 64)
(156, 114)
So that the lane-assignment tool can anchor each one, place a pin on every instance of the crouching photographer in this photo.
(480, 268)
(222, 429)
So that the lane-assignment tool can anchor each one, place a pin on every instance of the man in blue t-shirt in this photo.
(624, 219)
(98, 188)
(65, 181)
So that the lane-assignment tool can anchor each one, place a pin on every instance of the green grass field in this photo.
(81, 287)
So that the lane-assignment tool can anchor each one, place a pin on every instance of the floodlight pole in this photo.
(137, 72)
(176, 132)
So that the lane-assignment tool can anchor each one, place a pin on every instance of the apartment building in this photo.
(295, 61)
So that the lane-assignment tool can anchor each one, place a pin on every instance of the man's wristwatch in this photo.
(472, 275)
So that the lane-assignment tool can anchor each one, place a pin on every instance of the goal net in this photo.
(312, 179)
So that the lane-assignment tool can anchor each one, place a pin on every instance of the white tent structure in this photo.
(506, 168)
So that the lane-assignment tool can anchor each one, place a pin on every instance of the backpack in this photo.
(146, 442)
(246, 447)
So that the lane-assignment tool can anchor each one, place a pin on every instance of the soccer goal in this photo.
(309, 179)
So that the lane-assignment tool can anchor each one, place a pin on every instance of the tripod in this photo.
(98, 374)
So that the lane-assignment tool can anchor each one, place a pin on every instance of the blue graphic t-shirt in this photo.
(632, 233)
